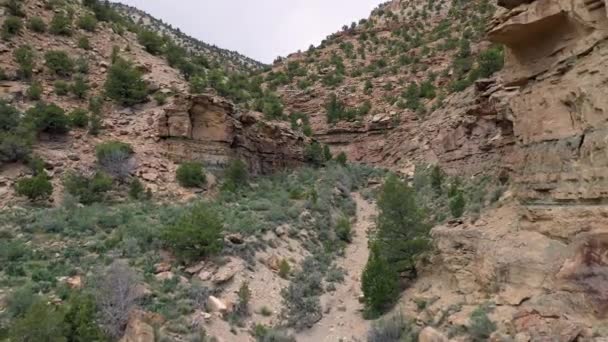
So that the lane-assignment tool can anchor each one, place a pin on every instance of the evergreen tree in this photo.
(379, 282)
(402, 233)
(125, 84)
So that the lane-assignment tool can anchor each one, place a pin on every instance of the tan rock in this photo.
(138, 330)
(215, 304)
(429, 334)
(162, 267)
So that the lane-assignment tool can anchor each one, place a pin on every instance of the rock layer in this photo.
(211, 130)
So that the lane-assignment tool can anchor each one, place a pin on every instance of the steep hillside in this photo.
(384, 89)
(230, 59)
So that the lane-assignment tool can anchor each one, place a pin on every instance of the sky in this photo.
(260, 29)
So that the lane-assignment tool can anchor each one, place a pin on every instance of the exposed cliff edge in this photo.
(541, 257)
(210, 129)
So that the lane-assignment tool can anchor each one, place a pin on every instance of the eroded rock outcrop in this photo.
(211, 130)
(542, 258)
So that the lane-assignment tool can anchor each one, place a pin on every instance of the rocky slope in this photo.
(268, 146)
(230, 59)
(401, 80)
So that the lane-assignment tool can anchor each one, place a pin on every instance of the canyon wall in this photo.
(210, 129)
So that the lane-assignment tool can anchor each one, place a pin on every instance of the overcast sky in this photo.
(260, 29)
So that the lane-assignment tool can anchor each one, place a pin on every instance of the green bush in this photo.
(284, 269)
(392, 329)
(34, 92)
(13, 7)
(137, 191)
(160, 98)
(36, 24)
(80, 319)
(24, 56)
(42, 322)
(61, 25)
(191, 175)
(344, 230)
(87, 22)
(197, 234)
(490, 61)
(80, 87)
(125, 84)
(48, 118)
(457, 204)
(379, 283)
(61, 88)
(113, 157)
(314, 154)
(402, 233)
(35, 188)
(59, 63)
(79, 118)
(11, 26)
(14, 147)
(88, 189)
(236, 175)
(151, 41)
(84, 43)
(481, 326)
(9, 117)
(342, 159)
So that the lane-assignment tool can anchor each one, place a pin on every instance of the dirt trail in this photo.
(344, 321)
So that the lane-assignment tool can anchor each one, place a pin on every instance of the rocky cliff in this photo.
(541, 258)
(210, 129)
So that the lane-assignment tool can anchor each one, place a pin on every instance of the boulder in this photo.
(429, 334)
(215, 304)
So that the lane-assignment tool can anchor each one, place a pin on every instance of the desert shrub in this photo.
(87, 22)
(402, 233)
(236, 175)
(490, 61)
(116, 295)
(302, 307)
(41, 322)
(61, 25)
(14, 147)
(84, 43)
(481, 326)
(79, 118)
(125, 84)
(241, 309)
(137, 191)
(342, 159)
(36, 24)
(12, 26)
(379, 283)
(48, 118)
(314, 153)
(13, 7)
(81, 319)
(284, 269)
(34, 92)
(392, 329)
(344, 230)
(82, 65)
(151, 41)
(96, 104)
(196, 234)
(191, 175)
(114, 157)
(95, 124)
(266, 334)
(9, 116)
(24, 56)
(437, 178)
(35, 188)
(21, 299)
(88, 190)
(457, 204)
(160, 98)
(80, 87)
(61, 88)
(59, 62)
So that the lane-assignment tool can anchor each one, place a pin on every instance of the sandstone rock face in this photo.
(543, 259)
(211, 130)
(429, 334)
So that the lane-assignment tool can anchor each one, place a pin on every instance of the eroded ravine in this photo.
(342, 319)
